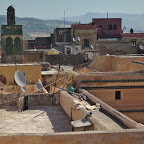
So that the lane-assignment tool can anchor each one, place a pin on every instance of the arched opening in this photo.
(17, 46)
(9, 46)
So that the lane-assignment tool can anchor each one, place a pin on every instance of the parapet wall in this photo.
(72, 59)
(70, 106)
(107, 137)
(35, 99)
(117, 63)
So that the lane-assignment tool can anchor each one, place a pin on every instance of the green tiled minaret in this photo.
(12, 39)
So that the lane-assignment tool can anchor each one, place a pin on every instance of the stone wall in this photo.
(90, 34)
(116, 48)
(34, 56)
(121, 46)
(65, 59)
(34, 99)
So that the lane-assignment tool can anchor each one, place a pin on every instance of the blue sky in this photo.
(52, 9)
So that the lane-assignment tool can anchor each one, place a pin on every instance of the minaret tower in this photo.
(10, 16)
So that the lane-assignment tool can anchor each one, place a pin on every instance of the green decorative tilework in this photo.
(17, 46)
(9, 46)
(11, 31)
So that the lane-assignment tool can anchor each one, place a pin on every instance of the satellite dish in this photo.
(40, 81)
(92, 46)
(74, 39)
(78, 38)
(20, 78)
(39, 86)
(141, 47)
(23, 89)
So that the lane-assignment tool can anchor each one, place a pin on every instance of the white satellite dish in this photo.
(78, 38)
(20, 78)
(141, 47)
(40, 81)
(39, 86)
(74, 39)
(23, 89)
(92, 46)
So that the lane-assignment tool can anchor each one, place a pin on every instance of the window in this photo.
(68, 51)
(110, 27)
(114, 27)
(86, 42)
(9, 46)
(17, 46)
(133, 43)
(117, 95)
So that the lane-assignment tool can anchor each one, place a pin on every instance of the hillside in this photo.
(33, 27)
(135, 21)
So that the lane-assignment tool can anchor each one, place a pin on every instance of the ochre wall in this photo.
(99, 80)
(32, 72)
(111, 137)
(131, 99)
(117, 63)
(136, 116)
(124, 63)
(69, 105)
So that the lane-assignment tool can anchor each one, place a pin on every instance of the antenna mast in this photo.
(107, 15)
(64, 26)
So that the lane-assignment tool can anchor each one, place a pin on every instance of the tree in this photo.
(78, 23)
(91, 23)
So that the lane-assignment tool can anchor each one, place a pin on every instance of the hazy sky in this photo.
(51, 9)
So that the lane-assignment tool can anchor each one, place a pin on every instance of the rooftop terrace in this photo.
(37, 119)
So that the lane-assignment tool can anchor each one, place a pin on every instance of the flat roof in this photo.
(38, 119)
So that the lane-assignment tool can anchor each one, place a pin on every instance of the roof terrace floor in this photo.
(39, 119)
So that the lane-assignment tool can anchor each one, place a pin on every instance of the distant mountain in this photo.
(33, 27)
(135, 21)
